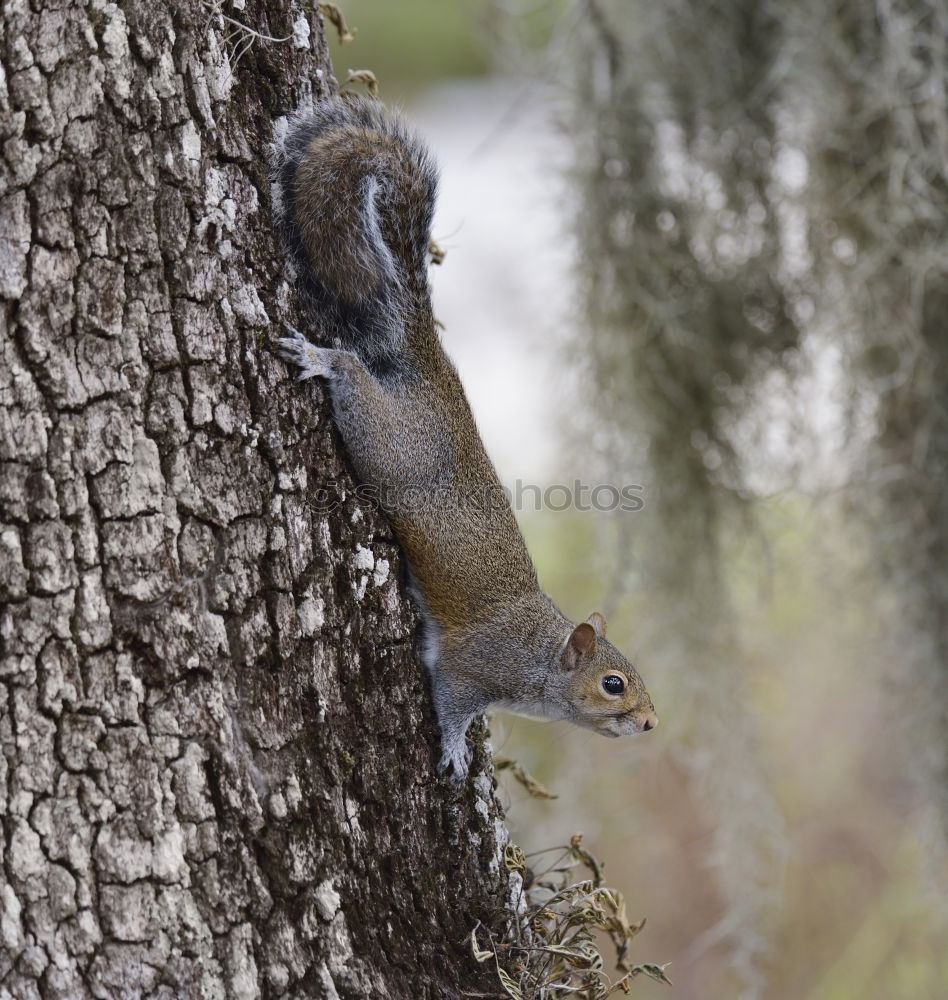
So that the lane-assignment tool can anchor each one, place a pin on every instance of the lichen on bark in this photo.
(217, 770)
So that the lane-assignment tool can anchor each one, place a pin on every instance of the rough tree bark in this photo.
(217, 749)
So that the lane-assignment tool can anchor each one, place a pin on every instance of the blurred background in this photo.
(702, 250)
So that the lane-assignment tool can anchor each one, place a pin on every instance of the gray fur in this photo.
(357, 196)
(350, 203)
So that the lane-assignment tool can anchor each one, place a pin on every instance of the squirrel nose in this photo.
(650, 722)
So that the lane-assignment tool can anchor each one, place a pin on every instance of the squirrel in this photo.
(355, 194)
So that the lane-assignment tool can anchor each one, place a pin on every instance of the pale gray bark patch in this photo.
(216, 776)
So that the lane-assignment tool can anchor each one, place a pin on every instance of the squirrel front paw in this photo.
(455, 760)
(310, 359)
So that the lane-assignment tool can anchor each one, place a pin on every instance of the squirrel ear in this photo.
(598, 623)
(581, 642)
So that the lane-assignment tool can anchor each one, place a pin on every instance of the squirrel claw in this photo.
(455, 763)
(310, 359)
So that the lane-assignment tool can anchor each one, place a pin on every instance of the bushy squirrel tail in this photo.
(355, 196)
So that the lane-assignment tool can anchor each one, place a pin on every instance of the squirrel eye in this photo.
(613, 684)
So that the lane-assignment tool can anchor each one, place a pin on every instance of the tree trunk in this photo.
(217, 773)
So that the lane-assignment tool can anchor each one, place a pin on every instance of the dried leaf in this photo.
(365, 76)
(511, 988)
(595, 866)
(586, 956)
(334, 15)
(533, 787)
(656, 972)
(436, 253)
(514, 859)
(559, 955)
(480, 954)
